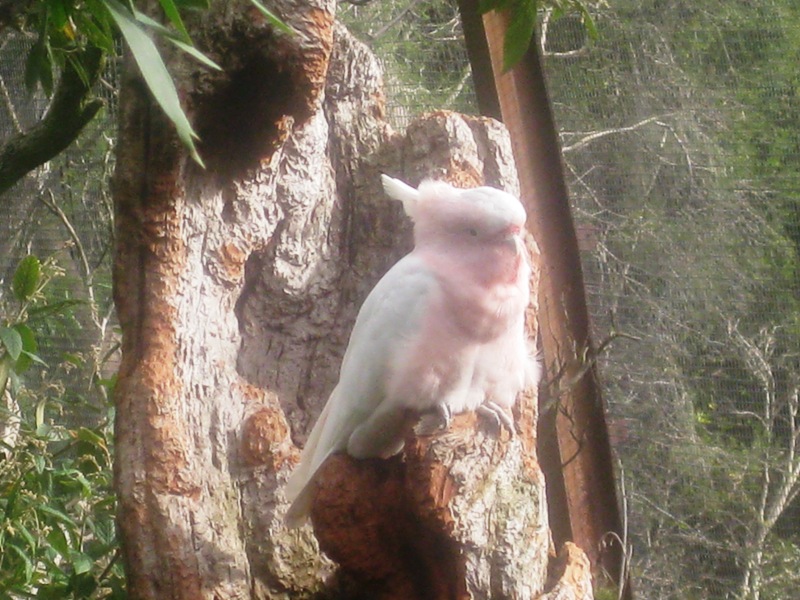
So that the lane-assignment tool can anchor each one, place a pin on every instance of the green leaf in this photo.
(58, 541)
(194, 4)
(196, 54)
(57, 515)
(183, 46)
(273, 19)
(155, 74)
(588, 22)
(96, 36)
(16, 384)
(12, 341)
(26, 535)
(81, 563)
(74, 359)
(153, 24)
(95, 23)
(108, 383)
(39, 414)
(39, 464)
(33, 358)
(25, 559)
(26, 278)
(39, 67)
(73, 479)
(58, 14)
(82, 584)
(175, 18)
(87, 435)
(29, 347)
(11, 500)
(522, 21)
(5, 372)
(79, 68)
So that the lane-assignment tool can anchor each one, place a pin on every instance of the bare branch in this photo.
(606, 132)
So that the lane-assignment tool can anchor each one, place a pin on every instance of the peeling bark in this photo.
(236, 289)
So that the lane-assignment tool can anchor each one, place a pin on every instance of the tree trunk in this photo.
(236, 289)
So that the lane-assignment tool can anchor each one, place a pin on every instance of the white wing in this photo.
(389, 316)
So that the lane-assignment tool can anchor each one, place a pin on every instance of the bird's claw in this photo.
(433, 421)
(498, 415)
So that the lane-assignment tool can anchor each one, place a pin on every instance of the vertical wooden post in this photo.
(579, 448)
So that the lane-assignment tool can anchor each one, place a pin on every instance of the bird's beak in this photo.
(513, 237)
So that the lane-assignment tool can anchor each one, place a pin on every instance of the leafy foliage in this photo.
(67, 28)
(679, 133)
(57, 507)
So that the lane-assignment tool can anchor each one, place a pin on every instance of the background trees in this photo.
(678, 154)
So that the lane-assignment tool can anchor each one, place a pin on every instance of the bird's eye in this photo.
(473, 232)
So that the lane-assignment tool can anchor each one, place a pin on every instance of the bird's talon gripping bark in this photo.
(434, 421)
(499, 416)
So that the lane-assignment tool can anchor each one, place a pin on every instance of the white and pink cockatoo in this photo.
(442, 332)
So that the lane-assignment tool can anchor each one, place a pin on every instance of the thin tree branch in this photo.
(599, 134)
(71, 109)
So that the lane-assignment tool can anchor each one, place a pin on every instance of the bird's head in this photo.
(445, 214)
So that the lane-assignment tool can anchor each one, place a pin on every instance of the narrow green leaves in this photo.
(64, 31)
(154, 73)
(179, 41)
(171, 11)
(272, 19)
(588, 22)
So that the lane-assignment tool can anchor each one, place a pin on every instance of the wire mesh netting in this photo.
(680, 128)
(62, 214)
(421, 48)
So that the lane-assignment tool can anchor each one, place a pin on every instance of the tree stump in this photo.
(236, 288)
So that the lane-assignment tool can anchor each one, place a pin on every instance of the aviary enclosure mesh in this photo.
(680, 131)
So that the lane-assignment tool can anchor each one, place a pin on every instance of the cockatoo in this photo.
(442, 332)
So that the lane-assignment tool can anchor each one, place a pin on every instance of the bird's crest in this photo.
(399, 190)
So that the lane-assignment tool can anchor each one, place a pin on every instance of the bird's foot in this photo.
(436, 420)
(498, 415)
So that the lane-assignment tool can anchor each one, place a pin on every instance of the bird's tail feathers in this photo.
(298, 489)
(301, 497)
(299, 510)
(303, 471)
(399, 190)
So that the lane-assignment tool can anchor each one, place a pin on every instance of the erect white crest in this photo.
(400, 190)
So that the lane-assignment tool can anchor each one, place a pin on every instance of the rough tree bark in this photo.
(236, 288)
